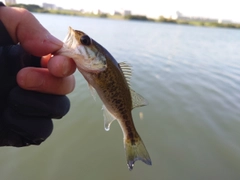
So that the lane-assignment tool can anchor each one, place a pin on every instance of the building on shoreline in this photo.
(10, 2)
(49, 6)
(180, 16)
(121, 12)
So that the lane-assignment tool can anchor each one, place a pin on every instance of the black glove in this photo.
(25, 116)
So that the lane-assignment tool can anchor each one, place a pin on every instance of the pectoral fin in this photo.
(137, 100)
(93, 92)
(108, 118)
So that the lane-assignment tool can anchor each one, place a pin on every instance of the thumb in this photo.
(23, 27)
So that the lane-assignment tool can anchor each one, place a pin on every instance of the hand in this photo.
(25, 115)
(36, 40)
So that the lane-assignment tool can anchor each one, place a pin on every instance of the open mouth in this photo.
(69, 39)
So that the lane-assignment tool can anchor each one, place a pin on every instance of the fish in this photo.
(111, 81)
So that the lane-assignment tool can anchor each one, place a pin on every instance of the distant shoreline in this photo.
(38, 9)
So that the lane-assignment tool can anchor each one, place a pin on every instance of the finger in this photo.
(23, 27)
(36, 104)
(61, 66)
(44, 60)
(41, 80)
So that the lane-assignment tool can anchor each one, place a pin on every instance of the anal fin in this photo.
(108, 118)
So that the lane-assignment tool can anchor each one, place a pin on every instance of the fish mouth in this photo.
(70, 40)
(84, 57)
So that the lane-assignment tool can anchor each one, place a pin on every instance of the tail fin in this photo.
(135, 150)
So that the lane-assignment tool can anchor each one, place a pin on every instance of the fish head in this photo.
(85, 52)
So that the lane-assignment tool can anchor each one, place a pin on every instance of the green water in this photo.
(191, 128)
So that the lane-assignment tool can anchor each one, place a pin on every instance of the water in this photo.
(191, 127)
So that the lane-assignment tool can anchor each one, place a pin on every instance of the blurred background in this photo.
(190, 76)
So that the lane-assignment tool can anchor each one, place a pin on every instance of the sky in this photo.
(221, 9)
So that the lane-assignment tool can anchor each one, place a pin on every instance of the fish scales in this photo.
(117, 96)
(111, 81)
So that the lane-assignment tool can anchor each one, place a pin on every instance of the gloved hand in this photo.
(25, 116)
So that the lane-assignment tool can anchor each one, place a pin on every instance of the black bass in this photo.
(111, 81)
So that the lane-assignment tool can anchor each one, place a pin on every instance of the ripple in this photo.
(191, 79)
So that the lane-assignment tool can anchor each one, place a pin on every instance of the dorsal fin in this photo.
(127, 71)
(137, 99)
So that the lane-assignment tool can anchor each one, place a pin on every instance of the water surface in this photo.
(191, 79)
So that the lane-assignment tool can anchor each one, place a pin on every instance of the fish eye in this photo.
(85, 40)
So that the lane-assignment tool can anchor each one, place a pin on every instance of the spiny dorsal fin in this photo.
(127, 71)
(108, 118)
(137, 99)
